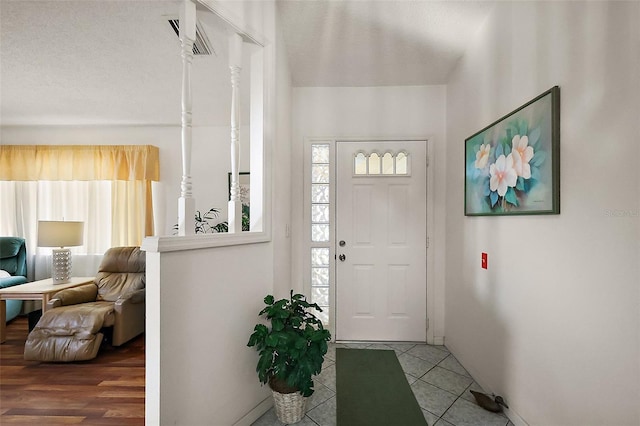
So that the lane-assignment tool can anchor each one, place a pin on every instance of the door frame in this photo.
(306, 240)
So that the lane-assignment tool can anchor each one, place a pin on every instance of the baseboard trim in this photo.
(511, 414)
(515, 418)
(438, 340)
(256, 413)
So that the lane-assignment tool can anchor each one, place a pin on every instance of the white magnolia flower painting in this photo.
(512, 166)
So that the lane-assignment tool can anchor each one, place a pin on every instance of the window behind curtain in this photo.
(23, 204)
(108, 187)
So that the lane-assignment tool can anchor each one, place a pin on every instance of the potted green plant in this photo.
(203, 222)
(291, 352)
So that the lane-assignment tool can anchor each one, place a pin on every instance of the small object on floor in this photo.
(494, 405)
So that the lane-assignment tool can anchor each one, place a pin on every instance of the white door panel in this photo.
(381, 284)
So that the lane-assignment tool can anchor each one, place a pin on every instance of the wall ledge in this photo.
(203, 241)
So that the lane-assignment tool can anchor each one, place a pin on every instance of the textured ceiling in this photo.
(118, 62)
(105, 62)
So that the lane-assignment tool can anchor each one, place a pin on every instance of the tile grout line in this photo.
(311, 420)
(448, 408)
(445, 390)
(406, 351)
(459, 396)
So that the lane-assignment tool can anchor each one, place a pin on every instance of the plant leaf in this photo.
(534, 137)
(499, 150)
(272, 340)
(535, 173)
(487, 188)
(523, 127)
(538, 158)
(278, 324)
(510, 197)
(494, 198)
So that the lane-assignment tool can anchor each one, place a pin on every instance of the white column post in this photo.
(235, 65)
(186, 202)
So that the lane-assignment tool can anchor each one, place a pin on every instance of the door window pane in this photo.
(360, 164)
(324, 315)
(320, 295)
(320, 173)
(320, 233)
(374, 164)
(401, 164)
(320, 256)
(320, 154)
(319, 276)
(320, 213)
(387, 164)
(320, 194)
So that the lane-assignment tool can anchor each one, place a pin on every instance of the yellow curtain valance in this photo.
(79, 162)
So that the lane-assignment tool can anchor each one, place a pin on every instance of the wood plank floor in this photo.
(108, 390)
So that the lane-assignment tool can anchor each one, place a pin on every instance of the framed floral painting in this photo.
(512, 167)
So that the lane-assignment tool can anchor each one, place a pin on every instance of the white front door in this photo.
(381, 237)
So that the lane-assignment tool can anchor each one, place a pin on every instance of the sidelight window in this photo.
(320, 228)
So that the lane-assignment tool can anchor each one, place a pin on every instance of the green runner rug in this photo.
(372, 390)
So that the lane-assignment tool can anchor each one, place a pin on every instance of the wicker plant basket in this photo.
(290, 407)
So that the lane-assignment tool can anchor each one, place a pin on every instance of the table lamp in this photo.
(60, 234)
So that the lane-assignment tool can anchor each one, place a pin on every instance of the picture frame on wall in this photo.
(512, 166)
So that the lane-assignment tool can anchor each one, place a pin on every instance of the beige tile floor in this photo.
(441, 386)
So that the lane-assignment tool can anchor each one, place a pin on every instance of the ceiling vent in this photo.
(201, 46)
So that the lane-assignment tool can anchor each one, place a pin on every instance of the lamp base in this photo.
(61, 266)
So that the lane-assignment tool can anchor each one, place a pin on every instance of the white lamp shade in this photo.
(60, 234)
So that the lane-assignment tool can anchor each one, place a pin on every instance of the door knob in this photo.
(342, 257)
(342, 243)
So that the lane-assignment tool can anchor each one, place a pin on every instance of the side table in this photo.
(36, 290)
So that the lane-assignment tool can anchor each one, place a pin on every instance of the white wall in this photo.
(199, 319)
(553, 324)
(210, 164)
(393, 112)
(281, 188)
(203, 304)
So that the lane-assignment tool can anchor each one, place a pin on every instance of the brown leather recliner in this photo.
(70, 330)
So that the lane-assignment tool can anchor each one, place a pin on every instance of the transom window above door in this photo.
(377, 164)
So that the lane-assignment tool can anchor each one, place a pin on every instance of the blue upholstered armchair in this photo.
(13, 259)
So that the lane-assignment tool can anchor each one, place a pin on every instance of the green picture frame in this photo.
(512, 166)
